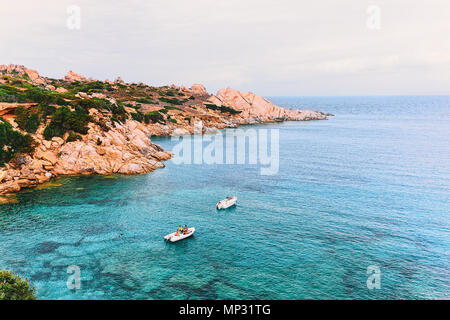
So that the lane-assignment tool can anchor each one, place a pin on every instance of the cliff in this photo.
(74, 125)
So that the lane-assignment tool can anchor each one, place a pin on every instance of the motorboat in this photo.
(226, 203)
(172, 237)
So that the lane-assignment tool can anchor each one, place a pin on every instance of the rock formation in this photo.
(21, 71)
(256, 108)
(72, 76)
(124, 149)
(199, 90)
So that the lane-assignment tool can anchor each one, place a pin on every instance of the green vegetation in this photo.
(13, 142)
(43, 96)
(145, 100)
(155, 117)
(102, 123)
(31, 94)
(119, 113)
(222, 109)
(172, 108)
(13, 287)
(73, 137)
(27, 119)
(138, 116)
(94, 103)
(10, 94)
(171, 101)
(45, 110)
(70, 114)
(172, 93)
(136, 107)
(89, 87)
(64, 120)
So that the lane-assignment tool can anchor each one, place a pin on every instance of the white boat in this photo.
(226, 203)
(173, 238)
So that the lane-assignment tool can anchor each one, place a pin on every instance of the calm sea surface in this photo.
(369, 187)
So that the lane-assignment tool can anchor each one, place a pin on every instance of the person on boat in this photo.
(185, 229)
(179, 229)
(177, 233)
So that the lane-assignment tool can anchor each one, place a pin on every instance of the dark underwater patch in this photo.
(47, 246)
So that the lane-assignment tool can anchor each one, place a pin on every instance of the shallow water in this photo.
(369, 187)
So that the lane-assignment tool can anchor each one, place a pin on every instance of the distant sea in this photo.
(369, 188)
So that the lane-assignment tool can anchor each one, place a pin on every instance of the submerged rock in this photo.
(47, 246)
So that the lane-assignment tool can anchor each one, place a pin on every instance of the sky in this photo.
(272, 48)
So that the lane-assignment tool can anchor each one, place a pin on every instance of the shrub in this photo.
(64, 120)
(229, 110)
(171, 101)
(172, 108)
(92, 86)
(13, 287)
(211, 106)
(118, 111)
(155, 117)
(73, 137)
(99, 142)
(95, 103)
(222, 109)
(13, 142)
(11, 94)
(45, 110)
(145, 100)
(29, 119)
(43, 96)
(102, 123)
(138, 116)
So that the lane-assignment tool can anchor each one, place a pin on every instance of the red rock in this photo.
(72, 76)
(199, 89)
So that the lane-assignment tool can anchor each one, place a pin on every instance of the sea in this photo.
(357, 208)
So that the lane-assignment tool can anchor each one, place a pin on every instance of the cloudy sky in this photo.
(321, 47)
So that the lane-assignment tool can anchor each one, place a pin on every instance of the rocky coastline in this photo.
(80, 126)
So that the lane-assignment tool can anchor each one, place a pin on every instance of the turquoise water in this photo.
(369, 187)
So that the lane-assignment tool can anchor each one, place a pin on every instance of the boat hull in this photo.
(226, 203)
(173, 238)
